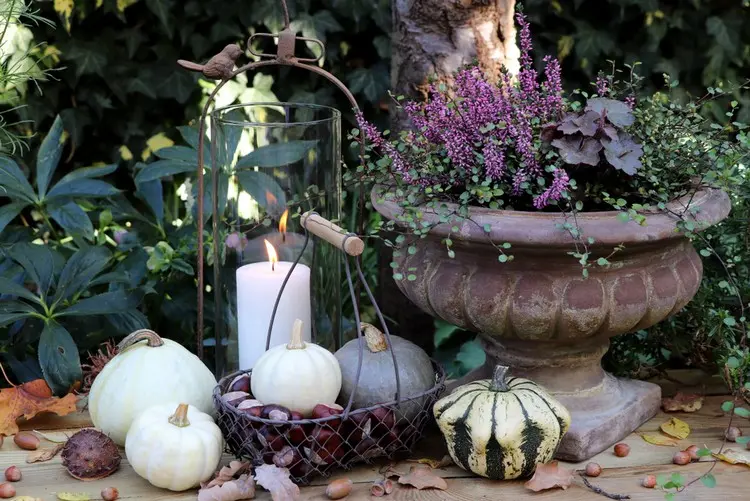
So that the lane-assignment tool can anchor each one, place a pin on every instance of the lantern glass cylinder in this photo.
(273, 162)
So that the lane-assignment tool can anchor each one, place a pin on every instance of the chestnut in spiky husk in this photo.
(90, 455)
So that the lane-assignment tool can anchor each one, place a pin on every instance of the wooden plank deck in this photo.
(620, 475)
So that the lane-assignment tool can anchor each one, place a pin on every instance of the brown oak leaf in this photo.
(682, 402)
(549, 476)
(230, 490)
(29, 399)
(434, 463)
(227, 473)
(422, 477)
(44, 454)
(276, 480)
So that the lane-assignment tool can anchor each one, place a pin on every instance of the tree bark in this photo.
(432, 39)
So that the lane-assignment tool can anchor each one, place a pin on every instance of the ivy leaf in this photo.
(178, 85)
(73, 219)
(89, 60)
(49, 155)
(727, 40)
(443, 333)
(577, 150)
(58, 357)
(617, 112)
(471, 355)
(371, 82)
(162, 10)
(623, 154)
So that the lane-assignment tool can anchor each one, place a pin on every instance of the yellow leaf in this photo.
(564, 46)
(99, 3)
(657, 439)
(125, 153)
(159, 141)
(73, 496)
(65, 9)
(733, 456)
(124, 4)
(53, 53)
(676, 428)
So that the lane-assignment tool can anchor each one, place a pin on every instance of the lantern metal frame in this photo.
(386, 428)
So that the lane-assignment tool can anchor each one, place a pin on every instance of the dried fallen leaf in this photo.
(27, 498)
(29, 399)
(73, 496)
(227, 473)
(550, 476)
(658, 439)
(734, 456)
(676, 428)
(230, 490)
(434, 463)
(44, 454)
(682, 403)
(422, 477)
(276, 480)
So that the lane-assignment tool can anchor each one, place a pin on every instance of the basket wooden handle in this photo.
(331, 233)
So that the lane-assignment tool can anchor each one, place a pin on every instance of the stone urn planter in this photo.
(538, 315)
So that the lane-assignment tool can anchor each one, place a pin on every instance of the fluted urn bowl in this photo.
(540, 316)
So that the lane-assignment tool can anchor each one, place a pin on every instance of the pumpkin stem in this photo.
(153, 338)
(499, 379)
(296, 343)
(375, 339)
(179, 418)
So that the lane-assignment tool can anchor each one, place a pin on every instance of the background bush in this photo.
(121, 97)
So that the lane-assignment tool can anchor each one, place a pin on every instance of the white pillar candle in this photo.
(258, 285)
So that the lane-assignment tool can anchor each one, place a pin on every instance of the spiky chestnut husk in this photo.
(90, 455)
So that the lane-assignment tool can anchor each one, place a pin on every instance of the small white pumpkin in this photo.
(146, 374)
(297, 375)
(174, 449)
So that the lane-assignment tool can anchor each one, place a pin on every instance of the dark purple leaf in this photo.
(574, 150)
(586, 124)
(617, 112)
(549, 132)
(623, 153)
(610, 131)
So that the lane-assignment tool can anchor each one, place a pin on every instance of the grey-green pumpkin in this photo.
(501, 428)
(377, 379)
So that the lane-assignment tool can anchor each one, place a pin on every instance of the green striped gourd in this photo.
(501, 428)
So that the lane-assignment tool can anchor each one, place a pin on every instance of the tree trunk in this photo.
(433, 39)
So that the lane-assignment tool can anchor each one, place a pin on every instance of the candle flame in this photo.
(282, 225)
(273, 258)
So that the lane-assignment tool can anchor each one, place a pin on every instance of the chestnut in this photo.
(276, 413)
(240, 383)
(326, 447)
(321, 411)
(390, 442)
(249, 403)
(357, 427)
(384, 421)
(298, 433)
(270, 439)
(286, 457)
(301, 470)
(234, 398)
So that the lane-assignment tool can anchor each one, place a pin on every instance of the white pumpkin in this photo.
(174, 449)
(297, 375)
(143, 374)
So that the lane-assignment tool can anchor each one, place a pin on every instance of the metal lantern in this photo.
(267, 264)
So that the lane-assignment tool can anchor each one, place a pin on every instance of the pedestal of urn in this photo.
(541, 317)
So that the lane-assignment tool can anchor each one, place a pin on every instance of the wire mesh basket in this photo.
(335, 437)
(311, 447)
